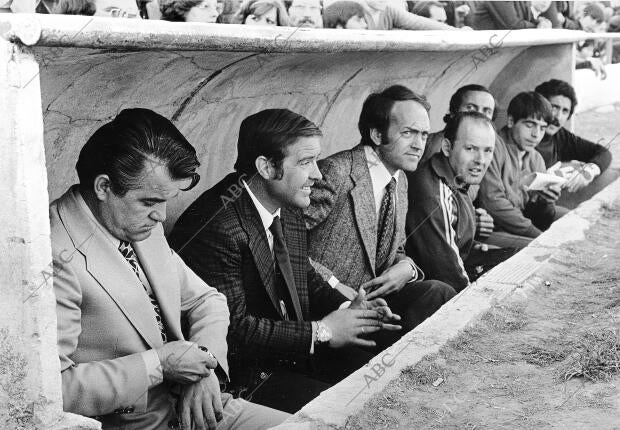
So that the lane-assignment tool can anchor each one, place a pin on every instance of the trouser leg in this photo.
(240, 414)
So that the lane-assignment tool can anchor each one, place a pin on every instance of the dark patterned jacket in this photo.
(221, 237)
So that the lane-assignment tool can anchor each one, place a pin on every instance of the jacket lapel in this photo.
(154, 260)
(292, 243)
(109, 268)
(364, 204)
(259, 246)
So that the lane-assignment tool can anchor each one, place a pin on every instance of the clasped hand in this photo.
(361, 318)
(390, 281)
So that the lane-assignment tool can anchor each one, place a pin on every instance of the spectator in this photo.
(117, 8)
(511, 15)
(559, 144)
(229, 11)
(74, 7)
(430, 9)
(504, 189)
(263, 12)
(189, 10)
(459, 13)
(306, 13)
(345, 14)
(384, 16)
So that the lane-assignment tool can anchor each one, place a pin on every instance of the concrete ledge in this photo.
(334, 406)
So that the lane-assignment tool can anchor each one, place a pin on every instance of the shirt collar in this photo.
(441, 166)
(82, 203)
(266, 217)
(379, 174)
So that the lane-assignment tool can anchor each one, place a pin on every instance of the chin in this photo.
(410, 167)
(137, 237)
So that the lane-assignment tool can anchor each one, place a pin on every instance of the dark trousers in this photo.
(414, 303)
(290, 388)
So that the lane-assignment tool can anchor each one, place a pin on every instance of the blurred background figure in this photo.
(306, 13)
(345, 14)
(229, 11)
(190, 10)
(75, 7)
(262, 12)
(394, 15)
(117, 8)
(459, 13)
(430, 9)
(513, 15)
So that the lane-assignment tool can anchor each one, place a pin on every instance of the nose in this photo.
(315, 174)
(478, 156)
(159, 212)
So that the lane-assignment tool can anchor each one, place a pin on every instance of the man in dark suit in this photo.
(291, 334)
(123, 296)
(356, 219)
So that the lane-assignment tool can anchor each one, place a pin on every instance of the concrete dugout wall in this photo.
(207, 78)
(61, 77)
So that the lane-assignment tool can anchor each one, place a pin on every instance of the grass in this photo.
(598, 358)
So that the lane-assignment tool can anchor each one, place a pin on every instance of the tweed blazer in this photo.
(342, 221)
(222, 238)
(103, 321)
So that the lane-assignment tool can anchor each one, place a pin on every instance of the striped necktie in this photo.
(385, 227)
(127, 251)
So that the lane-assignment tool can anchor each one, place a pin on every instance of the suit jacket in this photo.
(222, 238)
(342, 221)
(103, 321)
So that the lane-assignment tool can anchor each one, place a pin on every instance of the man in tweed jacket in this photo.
(278, 355)
(345, 211)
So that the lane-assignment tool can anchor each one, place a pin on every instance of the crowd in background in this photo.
(593, 17)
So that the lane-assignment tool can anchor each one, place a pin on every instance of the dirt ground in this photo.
(510, 370)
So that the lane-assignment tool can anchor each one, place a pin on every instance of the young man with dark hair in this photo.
(559, 144)
(441, 220)
(356, 219)
(123, 296)
(503, 191)
(291, 334)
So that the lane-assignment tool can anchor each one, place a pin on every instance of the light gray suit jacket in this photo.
(342, 220)
(105, 320)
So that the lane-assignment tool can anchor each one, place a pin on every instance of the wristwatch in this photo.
(323, 333)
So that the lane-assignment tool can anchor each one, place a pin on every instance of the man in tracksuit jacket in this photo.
(441, 221)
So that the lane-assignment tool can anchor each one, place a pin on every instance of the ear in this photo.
(265, 167)
(102, 187)
(446, 147)
(510, 122)
(375, 136)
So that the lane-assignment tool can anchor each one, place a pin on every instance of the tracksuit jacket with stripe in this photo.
(441, 222)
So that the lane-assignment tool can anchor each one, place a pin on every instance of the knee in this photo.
(441, 290)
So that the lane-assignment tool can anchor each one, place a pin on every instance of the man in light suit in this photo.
(290, 334)
(356, 219)
(123, 295)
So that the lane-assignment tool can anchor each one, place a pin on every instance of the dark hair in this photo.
(423, 8)
(530, 105)
(268, 133)
(175, 10)
(378, 106)
(121, 147)
(75, 7)
(556, 87)
(341, 12)
(261, 7)
(594, 11)
(457, 99)
(454, 122)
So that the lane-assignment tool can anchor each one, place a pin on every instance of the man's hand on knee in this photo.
(200, 404)
(183, 362)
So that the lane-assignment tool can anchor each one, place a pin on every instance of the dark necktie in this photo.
(285, 283)
(385, 227)
(127, 251)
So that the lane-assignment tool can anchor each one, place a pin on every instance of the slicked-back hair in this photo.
(454, 122)
(530, 105)
(341, 12)
(378, 106)
(556, 87)
(268, 133)
(457, 99)
(121, 148)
